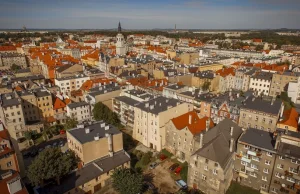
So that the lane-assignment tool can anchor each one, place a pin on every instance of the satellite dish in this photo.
(282, 177)
(283, 185)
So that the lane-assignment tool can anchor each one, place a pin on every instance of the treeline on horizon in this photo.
(269, 36)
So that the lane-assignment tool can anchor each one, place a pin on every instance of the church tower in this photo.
(120, 45)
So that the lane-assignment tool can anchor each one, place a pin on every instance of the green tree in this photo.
(29, 135)
(51, 164)
(205, 86)
(126, 181)
(184, 171)
(70, 123)
(146, 158)
(102, 112)
(259, 47)
(15, 67)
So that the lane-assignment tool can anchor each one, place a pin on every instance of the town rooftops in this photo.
(96, 129)
(261, 105)
(216, 142)
(289, 150)
(40, 94)
(175, 87)
(205, 74)
(11, 176)
(263, 75)
(258, 138)
(158, 105)
(89, 172)
(77, 104)
(72, 77)
(23, 79)
(127, 100)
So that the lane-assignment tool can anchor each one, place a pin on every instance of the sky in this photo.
(149, 14)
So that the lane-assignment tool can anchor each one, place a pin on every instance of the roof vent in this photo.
(102, 125)
(96, 137)
(107, 127)
(87, 130)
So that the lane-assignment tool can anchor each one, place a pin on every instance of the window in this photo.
(215, 172)
(253, 166)
(266, 170)
(269, 154)
(281, 157)
(294, 161)
(290, 179)
(206, 168)
(278, 175)
(274, 190)
(267, 162)
(246, 147)
(9, 164)
(203, 177)
(280, 166)
(253, 174)
(293, 170)
(216, 165)
(264, 178)
(206, 161)
(243, 163)
(264, 186)
(255, 158)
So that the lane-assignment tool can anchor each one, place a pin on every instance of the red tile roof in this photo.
(8, 48)
(290, 118)
(4, 188)
(58, 104)
(226, 71)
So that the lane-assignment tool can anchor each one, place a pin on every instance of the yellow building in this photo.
(210, 66)
(44, 102)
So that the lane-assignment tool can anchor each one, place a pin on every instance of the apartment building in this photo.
(260, 113)
(182, 133)
(255, 159)
(204, 101)
(44, 103)
(171, 91)
(80, 111)
(289, 120)
(200, 78)
(228, 105)
(73, 83)
(226, 79)
(30, 107)
(60, 110)
(68, 70)
(242, 78)
(124, 104)
(210, 167)
(100, 149)
(150, 118)
(237, 53)
(8, 59)
(261, 83)
(293, 91)
(280, 81)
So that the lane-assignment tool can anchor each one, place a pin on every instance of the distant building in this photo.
(120, 45)
(80, 111)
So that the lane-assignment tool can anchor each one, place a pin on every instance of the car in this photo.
(41, 149)
(62, 132)
(48, 146)
(55, 144)
(149, 186)
(177, 170)
(181, 184)
(173, 166)
(162, 157)
(153, 165)
(26, 155)
(61, 144)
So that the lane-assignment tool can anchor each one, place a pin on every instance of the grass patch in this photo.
(167, 153)
(236, 188)
(39, 139)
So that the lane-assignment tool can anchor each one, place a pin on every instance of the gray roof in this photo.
(159, 104)
(216, 142)
(288, 150)
(10, 99)
(23, 79)
(72, 77)
(258, 138)
(103, 89)
(127, 100)
(205, 74)
(263, 75)
(262, 105)
(87, 173)
(42, 94)
(77, 104)
(95, 130)
(175, 87)
(27, 70)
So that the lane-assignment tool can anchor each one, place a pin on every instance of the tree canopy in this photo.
(102, 112)
(70, 123)
(15, 67)
(126, 181)
(51, 164)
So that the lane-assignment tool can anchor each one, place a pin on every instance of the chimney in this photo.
(87, 130)
(102, 125)
(190, 119)
(207, 124)
(110, 144)
(96, 138)
(106, 127)
(201, 140)
(231, 131)
(281, 111)
(253, 99)
(231, 145)
(147, 105)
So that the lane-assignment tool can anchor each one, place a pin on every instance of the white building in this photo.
(151, 117)
(261, 83)
(294, 91)
(68, 84)
(80, 111)
(120, 45)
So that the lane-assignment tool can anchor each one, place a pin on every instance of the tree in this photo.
(146, 158)
(30, 135)
(259, 48)
(102, 112)
(205, 86)
(51, 164)
(15, 67)
(70, 123)
(126, 181)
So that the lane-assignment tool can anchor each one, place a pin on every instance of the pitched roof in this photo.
(290, 118)
(58, 104)
(259, 138)
(226, 71)
(8, 48)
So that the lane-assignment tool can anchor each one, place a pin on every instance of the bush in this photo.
(139, 155)
(146, 159)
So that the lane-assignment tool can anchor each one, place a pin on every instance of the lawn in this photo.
(236, 188)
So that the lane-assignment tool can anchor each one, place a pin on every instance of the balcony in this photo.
(246, 159)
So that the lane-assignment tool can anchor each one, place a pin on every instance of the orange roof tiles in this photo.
(3, 185)
(257, 40)
(92, 55)
(226, 71)
(157, 49)
(290, 118)
(90, 41)
(67, 101)
(8, 48)
(195, 125)
(58, 104)
(87, 85)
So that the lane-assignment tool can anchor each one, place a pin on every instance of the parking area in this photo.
(30, 153)
(161, 177)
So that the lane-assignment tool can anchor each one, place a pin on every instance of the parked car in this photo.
(177, 170)
(33, 153)
(181, 184)
(62, 132)
(162, 157)
(173, 166)
(153, 165)
(61, 144)
(48, 146)
(26, 155)
(54, 144)
(41, 149)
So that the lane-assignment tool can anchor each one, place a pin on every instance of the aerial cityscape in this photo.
(161, 97)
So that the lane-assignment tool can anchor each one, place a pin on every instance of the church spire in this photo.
(119, 27)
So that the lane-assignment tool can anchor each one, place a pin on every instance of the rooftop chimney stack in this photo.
(201, 140)
(110, 144)
(87, 130)
(207, 124)
(231, 145)
(231, 131)
(190, 119)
